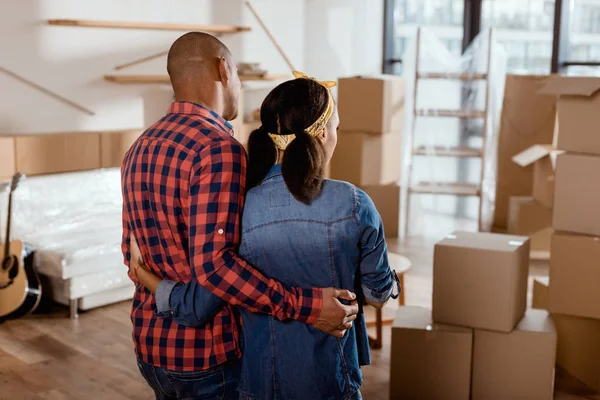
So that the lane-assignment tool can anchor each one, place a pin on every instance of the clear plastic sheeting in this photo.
(72, 219)
(85, 285)
(58, 289)
(455, 114)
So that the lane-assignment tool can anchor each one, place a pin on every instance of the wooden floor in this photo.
(51, 357)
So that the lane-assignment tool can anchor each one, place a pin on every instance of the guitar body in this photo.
(23, 294)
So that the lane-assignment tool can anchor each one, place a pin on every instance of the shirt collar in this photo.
(189, 108)
(273, 172)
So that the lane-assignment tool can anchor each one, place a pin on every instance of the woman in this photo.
(307, 232)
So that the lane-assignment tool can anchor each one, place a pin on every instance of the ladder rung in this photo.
(458, 189)
(450, 113)
(441, 151)
(457, 76)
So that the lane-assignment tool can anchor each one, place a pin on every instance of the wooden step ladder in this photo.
(452, 188)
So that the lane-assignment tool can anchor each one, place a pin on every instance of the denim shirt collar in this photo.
(275, 171)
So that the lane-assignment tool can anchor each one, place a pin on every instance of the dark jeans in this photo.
(219, 383)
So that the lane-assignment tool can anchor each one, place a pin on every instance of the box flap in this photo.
(553, 156)
(381, 77)
(536, 321)
(419, 318)
(532, 154)
(484, 241)
(571, 86)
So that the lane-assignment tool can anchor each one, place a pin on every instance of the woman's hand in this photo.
(139, 270)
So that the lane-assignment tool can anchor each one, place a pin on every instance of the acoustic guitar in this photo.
(20, 289)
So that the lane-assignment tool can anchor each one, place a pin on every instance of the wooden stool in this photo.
(400, 264)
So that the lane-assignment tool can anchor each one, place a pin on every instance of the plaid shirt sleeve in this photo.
(126, 244)
(217, 184)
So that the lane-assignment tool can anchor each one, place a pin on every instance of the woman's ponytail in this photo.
(302, 167)
(262, 155)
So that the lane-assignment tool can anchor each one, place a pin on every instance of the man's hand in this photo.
(139, 270)
(336, 318)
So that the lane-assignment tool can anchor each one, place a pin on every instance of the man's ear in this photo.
(224, 71)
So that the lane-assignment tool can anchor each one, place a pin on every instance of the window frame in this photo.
(561, 44)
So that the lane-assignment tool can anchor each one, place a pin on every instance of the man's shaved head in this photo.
(198, 64)
(195, 53)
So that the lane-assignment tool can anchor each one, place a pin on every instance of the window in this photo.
(524, 27)
(443, 17)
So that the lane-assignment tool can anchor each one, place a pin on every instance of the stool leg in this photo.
(378, 342)
(401, 297)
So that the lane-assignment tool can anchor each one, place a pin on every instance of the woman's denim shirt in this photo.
(336, 241)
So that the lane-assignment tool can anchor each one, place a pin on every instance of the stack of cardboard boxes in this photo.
(573, 295)
(532, 215)
(368, 153)
(478, 341)
(528, 118)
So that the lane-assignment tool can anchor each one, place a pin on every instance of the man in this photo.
(183, 190)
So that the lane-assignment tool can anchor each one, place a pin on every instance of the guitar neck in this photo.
(8, 223)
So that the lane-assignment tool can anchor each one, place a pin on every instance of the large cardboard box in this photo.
(7, 157)
(578, 350)
(528, 118)
(429, 361)
(114, 145)
(387, 200)
(48, 154)
(367, 160)
(578, 116)
(516, 365)
(577, 194)
(529, 218)
(543, 158)
(480, 280)
(575, 275)
(371, 104)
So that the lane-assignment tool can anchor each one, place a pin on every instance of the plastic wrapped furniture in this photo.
(73, 220)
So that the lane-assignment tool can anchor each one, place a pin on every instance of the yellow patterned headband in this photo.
(282, 141)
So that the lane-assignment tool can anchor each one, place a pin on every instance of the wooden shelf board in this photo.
(458, 189)
(146, 79)
(472, 114)
(441, 151)
(453, 76)
(217, 29)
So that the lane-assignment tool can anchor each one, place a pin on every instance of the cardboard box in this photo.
(529, 218)
(578, 116)
(528, 118)
(429, 361)
(373, 104)
(387, 201)
(516, 365)
(48, 154)
(577, 194)
(7, 157)
(540, 293)
(480, 280)
(575, 275)
(114, 145)
(578, 350)
(543, 158)
(367, 160)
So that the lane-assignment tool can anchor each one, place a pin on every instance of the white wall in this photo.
(325, 38)
(343, 37)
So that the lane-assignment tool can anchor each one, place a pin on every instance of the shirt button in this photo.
(220, 231)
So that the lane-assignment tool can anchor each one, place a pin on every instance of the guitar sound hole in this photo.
(9, 264)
